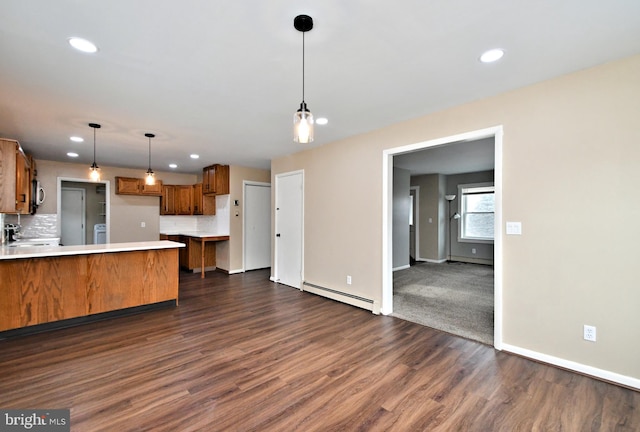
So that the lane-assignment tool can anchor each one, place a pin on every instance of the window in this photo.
(477, 210)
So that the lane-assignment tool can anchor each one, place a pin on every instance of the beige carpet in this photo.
(456, 298)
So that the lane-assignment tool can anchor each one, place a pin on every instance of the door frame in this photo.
(107, 193)
(246, 183)
(275, 269)
(387, 218)
(416, 223)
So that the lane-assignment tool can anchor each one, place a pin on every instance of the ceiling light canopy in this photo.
(303, 119)
(492, 55)
(83, 45)
(150, 178)
(94, 173)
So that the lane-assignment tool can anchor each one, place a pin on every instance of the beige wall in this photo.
(571, 152)
(127, 212)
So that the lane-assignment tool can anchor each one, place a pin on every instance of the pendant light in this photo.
(95, 169)
(303, 119)
(150, 179)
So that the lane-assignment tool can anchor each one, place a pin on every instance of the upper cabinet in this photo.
(136, 186)
(215, 180)
(15, 178)
(186, 200)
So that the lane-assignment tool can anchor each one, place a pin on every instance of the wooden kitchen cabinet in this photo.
(176, 200)
(168, 200)
(191, 255)
(197, 198)
(184, 200)
(137, 186)
(215, 180)
(203, 204)
(15, 178)
(152, 190)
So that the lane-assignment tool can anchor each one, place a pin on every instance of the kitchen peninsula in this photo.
(46, 285)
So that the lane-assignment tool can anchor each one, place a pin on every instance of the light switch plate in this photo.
(514, 228)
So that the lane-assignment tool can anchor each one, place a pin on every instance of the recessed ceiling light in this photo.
(173, 166)
(72, 154)
(83, 45)
(492, 55)
(194, 156)
(322, 120)
(76, 139)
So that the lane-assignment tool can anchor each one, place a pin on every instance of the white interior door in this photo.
(289, 229)
(257, 226)
(73, 216)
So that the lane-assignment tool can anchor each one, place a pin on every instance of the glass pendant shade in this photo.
(94, 173)
(94, 169)
(150, 179)
(303, 125)
(303, 119)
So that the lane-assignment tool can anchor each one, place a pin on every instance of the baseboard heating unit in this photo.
(340, 296)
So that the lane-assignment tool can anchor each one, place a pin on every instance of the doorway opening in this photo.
(94, 226)
(495, 133)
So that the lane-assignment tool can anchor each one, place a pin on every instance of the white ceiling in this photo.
(223, 78)
(454, 158)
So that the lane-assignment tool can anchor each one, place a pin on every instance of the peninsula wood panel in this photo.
(114, 281)
(42, 290)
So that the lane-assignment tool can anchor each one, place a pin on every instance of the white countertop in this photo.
(199, 234)
(7, 252)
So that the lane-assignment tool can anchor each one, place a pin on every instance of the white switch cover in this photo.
(514, 228)
(142, 224)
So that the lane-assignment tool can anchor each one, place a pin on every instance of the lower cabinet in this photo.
(190, 256)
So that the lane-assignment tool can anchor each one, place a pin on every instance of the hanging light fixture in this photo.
(95, 169)
(303, 119)
(150, 179)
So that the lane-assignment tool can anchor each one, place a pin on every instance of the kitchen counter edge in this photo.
(7, 253)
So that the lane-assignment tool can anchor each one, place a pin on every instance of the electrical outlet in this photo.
(589, 333)
(348, 280)
(473, 250)
(142, 224)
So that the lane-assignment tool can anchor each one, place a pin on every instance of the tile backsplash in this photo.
(38, 225)
(218, 224)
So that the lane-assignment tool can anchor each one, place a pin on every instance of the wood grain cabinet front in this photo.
(215, 180)
(15, 178)
(168, 200)
(137, 186)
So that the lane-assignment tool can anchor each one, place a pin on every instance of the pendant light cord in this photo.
(94, 146)
(149, 152)
(303, 67)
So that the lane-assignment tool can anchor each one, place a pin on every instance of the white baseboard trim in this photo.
(574, 366)
(438, 261)
(236, 271)
(401, 267)
(340, 296)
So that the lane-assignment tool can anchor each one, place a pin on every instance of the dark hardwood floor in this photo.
(243, 354)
